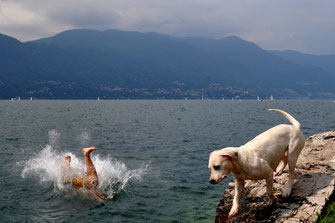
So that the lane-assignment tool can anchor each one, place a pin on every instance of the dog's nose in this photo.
(212, 181)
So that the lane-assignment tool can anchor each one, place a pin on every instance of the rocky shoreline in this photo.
(314, 186)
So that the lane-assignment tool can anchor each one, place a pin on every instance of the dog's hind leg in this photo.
(282, 165)
(288, 188)
(293, 152)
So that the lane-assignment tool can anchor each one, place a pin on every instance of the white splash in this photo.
(47, 166)
(84, 138)
(53, 137)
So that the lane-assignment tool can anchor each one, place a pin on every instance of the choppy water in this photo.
(151, 159)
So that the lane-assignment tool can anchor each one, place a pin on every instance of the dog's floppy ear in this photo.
(230, 154)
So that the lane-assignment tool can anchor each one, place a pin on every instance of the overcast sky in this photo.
(304, 25)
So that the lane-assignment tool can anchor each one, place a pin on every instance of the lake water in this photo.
(152, 156)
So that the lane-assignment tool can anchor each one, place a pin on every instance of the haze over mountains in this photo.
(113, 64)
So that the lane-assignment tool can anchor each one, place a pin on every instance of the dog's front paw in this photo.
(233, 212)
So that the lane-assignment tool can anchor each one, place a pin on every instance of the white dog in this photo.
(259, 158)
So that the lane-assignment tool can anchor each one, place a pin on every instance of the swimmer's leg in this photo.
(91, 173)
(66, 170)
(92, 176)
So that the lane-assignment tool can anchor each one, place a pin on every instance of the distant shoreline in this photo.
(169, 99)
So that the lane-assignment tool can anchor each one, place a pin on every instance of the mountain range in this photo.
(114, 64)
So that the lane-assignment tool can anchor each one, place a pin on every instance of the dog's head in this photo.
(220, 163)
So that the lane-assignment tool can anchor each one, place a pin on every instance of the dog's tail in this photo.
(294, 122)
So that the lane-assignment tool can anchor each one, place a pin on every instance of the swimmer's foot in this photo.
(88, 150)
(68, 159)
(66, 169)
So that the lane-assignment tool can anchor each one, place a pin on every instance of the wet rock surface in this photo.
(314, 186)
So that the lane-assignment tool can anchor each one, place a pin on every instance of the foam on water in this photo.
(47, 166)
(84, 138)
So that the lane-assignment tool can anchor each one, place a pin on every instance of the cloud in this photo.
(25, 24)
(305, 25)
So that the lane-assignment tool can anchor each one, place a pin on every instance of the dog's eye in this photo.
(216, 167)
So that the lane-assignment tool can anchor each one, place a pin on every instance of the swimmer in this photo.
(91, 180)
